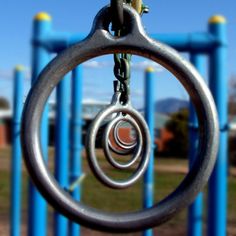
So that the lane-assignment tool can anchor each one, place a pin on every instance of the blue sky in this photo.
(166, 16)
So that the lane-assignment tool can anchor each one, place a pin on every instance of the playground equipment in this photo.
(195, 213)
(217, 194)
(37, 211)
(130, 43)
(16, 151)
(148, 191)
(213, 43)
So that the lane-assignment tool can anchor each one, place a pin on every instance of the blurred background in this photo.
(171, 103)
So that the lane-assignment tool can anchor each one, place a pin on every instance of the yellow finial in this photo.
(150, 69)
(217, 19)
(19, 68)
(43, 16)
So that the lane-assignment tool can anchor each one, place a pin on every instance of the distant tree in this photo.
(232, 96)
(178, 126)
(232, 114)
(4, 104)
(232, 151)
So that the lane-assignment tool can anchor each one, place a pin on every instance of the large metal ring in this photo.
(101, 42)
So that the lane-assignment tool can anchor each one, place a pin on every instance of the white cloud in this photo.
(97, 64)
(135, 65)
(9, 74)
(137, 92)
(4, 74)
(144, 64)
(93, 64)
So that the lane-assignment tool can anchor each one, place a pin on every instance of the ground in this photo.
(169, 172)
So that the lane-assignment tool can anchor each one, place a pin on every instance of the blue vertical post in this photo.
(62, 147)
(217, 201)
(148, 186)
(195, 211)
(76, 143)
(37, 216)
(15, 228)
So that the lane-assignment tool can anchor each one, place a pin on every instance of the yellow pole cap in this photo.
(19, 68)
(217, 19)
(150, 69)
(43, 16)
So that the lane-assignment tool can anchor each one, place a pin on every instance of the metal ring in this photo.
(120, 142)
(123, 148)
(137, 151)
(91, 141)
(136, 42)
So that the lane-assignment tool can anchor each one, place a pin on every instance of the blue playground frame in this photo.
(212, 44)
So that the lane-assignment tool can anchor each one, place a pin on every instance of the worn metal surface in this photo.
(101, 42)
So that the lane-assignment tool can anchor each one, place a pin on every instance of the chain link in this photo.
(123, 61)
(122, 74)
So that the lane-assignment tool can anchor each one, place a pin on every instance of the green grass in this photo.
(96, 195)
(232, 202)
(4, 191)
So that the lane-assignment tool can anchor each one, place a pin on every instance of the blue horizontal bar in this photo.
(186, 42)
(56, 42)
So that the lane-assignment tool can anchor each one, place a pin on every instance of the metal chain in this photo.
(122, 73)
(123, 61)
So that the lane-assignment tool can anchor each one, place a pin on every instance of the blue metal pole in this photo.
(37, 216)
(15, 224)
(217, 201)
(76, 143)
(62, 147)
(150, 118)
(197, 42)
(195, 211)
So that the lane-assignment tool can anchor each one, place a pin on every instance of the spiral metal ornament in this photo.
(140, 151)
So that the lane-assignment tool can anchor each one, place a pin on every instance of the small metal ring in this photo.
(119, 141)
(120, 150)
(137, 152)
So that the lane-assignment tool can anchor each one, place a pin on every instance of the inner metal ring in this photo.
(137, 151)
(122, 148)
(136, 42)
(119, 141)
(91, 142)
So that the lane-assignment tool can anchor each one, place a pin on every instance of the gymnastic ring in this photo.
(101, 42)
